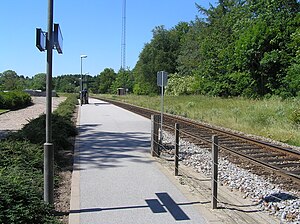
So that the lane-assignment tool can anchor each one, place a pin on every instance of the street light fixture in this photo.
(81, 83)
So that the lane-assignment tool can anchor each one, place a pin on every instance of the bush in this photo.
(295, 117)
(35, 131)
(178, 85)
(21, 184)
(21, 154)
(66, 108)
(62, 126)
(14, 100)
(21, 167)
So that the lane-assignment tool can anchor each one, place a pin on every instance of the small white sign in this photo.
(162, 78)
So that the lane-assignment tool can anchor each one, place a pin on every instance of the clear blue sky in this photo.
(90, 27)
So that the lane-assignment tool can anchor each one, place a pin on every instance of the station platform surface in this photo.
(115, 179)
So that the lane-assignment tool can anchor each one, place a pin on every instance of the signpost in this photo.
(162, 81)
(48, 41)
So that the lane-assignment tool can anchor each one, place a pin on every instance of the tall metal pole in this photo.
(81, 78)
(162, 108)
(81, 84)
(123, 41)
(48, 146)
(214, 184)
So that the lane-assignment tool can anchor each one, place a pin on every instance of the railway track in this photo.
(283, 161)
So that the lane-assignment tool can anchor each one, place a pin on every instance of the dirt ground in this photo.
(62, 194)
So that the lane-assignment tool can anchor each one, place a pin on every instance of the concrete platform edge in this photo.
(74, 218)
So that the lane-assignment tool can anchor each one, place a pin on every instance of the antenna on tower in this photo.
(123, 41)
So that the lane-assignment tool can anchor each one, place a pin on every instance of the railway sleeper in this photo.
(295, 172)
(264, 154)
(250, 149)
(232, 142)
(288, 165)
(279, 160)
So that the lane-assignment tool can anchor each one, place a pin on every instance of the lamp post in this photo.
(81, 83)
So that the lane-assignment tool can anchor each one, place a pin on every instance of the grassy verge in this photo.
(21, 167)
(272, 118)
(3, 111)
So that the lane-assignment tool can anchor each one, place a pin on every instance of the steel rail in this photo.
(237, 139)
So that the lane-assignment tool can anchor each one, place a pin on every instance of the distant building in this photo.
(121, 91)
(37, 92)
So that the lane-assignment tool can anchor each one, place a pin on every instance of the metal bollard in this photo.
(176, 148)
(214, 187)
(154, 135)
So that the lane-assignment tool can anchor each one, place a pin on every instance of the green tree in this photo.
(9, 80)
(158, 55)
(67, 83)
(105, 80)
(243, 48)
(39, 82)
(25, 82)
(124, 79)
(291, 82)
(261, 47)
(189, 56)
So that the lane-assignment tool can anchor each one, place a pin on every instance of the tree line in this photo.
(108, 81)
(242, 48)
(245, 48)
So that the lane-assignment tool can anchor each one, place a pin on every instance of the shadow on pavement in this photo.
(107, 149)
(165, 204)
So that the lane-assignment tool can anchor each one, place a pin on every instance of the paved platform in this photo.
(115, 180)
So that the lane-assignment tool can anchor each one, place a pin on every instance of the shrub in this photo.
(66, 108)
(21, 181)
(21, 167)
(19, 201)
(35, 131)
(295, 117)
(178, 85)
(14, 100)
(62, 126)
(21, 154)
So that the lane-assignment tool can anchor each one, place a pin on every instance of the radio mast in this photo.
(123, 40)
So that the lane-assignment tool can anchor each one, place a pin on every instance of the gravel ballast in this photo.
(270, 197)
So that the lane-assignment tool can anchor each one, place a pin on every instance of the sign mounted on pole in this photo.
(162, 78)
(58, 39)
(162, 81)
(40, 40)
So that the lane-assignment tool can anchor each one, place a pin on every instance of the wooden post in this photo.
(176, 148)
(154, 135)
(214, 187)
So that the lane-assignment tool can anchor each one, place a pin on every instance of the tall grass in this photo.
(273, 118)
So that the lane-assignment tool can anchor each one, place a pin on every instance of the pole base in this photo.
(48, 173)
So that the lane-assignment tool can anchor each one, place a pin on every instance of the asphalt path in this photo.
(115, 179)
